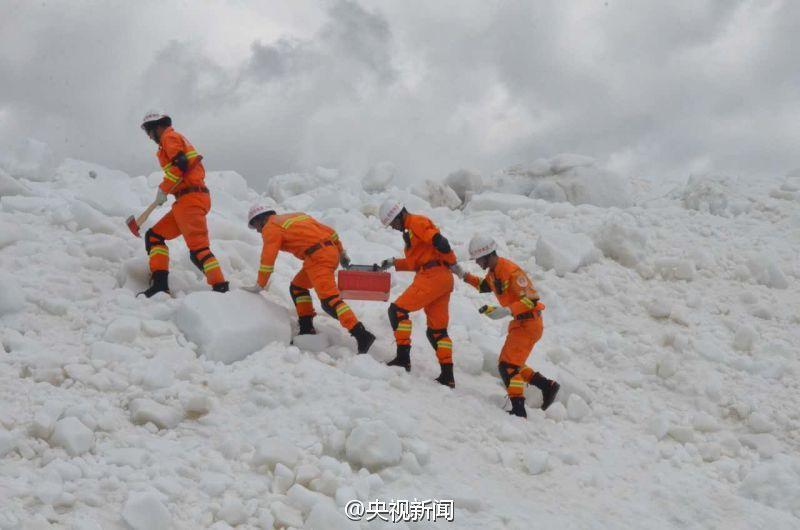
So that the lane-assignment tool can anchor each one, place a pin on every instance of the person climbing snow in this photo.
(184, 177)
(319, 248)
(428, 254)
(518, 299)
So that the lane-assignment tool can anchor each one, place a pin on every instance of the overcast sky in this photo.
(650, 87)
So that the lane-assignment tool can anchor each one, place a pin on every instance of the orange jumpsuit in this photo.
(318, 246)
(187, 217)
(514, 290)
(430, 290)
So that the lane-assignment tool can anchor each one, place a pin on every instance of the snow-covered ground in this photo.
(672, 323)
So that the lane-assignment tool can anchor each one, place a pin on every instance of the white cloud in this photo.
(266, 87)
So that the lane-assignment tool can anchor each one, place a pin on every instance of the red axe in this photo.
(135, 222)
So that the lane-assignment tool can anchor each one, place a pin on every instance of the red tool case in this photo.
(364, 282)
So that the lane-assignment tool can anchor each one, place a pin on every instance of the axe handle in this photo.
(146, 213)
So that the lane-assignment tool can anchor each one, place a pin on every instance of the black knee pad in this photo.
(507, 371)
(296, 292)
(330, 304)
(152, 238)
(435, 335)
(197, 261)
(396, 314)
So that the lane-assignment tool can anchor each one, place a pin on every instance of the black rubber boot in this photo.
(518, 407)
(403, 357)
(221, 287)
(158, 284)
(306, 325)
(363, 337)
(548, 387)
(446, 377)
(549, 394)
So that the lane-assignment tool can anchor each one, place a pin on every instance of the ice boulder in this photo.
(374, 445)
(536, 461)
(75, 437)
(274, 451)
(565, 251)
(577, 408)
(437, 194)
(706, 193)
(10, 186)
(282, 187)
(501, 202)
(464, 182)
(145, 410)
(584, 184)
(621, 239)
(764, 270)
(379, 177)
(229, 327)
(228, 182)
(144, 511)
(123, 329)
(87, 217)
(12, 298)
(10, 233)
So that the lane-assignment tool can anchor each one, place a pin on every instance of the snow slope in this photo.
(671, 322)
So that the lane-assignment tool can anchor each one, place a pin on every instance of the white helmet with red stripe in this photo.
(255, 211)
(481, 245)
(152, 116)
(389, 211)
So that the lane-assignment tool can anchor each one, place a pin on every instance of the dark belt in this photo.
(310, 250)
(190, 189)
(434, 263)
(528, 315)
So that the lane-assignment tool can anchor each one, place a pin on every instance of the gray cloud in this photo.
(654, 88)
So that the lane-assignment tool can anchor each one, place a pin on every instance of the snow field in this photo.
(671, 324)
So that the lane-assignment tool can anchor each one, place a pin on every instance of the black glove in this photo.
(344, 260)
(387, 264)
(441, 243)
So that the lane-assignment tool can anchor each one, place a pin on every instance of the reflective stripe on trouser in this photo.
(402, 334)
(515, 378)
(318, 272)
(209, 265)
(429, 291)
(187, 217)
(442, 344)
(158, 255)
(302, 301)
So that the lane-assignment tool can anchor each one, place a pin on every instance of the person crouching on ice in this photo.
(319, 248)
(518, 299)
(428, 254)
(184, 177)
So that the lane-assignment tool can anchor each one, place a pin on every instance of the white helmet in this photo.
(480, 246)
(389, 210)
(151, 116)
(255, 211)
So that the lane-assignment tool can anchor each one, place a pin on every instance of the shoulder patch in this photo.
(522, 281)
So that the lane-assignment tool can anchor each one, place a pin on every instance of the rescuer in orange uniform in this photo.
(518, 299)
(321, 251)
(184, 177)
(428, 253)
